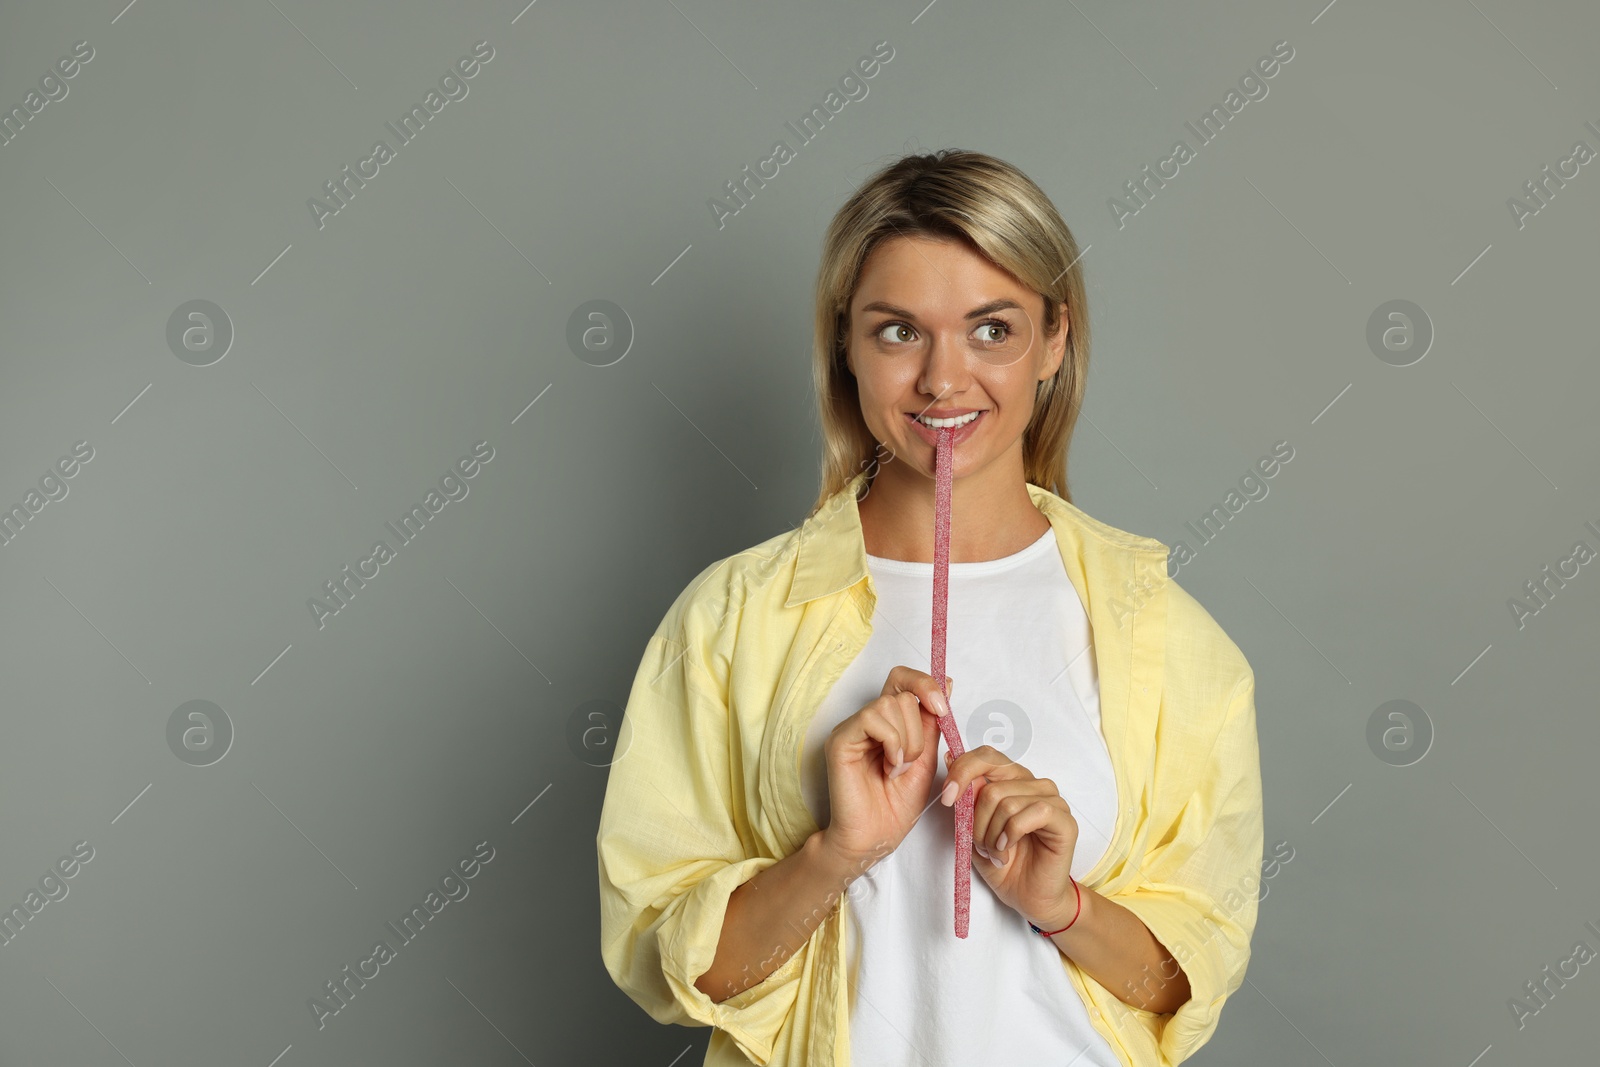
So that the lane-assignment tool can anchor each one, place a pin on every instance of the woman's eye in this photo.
(988, 332)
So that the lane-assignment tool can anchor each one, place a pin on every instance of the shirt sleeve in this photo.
(1198, 888)
(671, 854)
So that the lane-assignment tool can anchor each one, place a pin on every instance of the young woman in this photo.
(774, 857)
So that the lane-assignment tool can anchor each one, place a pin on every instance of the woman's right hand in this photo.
(873, 800)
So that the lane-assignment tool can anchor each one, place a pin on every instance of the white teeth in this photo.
(939, 424)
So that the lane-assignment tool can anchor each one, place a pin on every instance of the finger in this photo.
(1040, 815)
(996, 803)
(986, 762)
(930, 749)
(911, 721)
(922, 684)
(889, 718)
(909, 714)
(990, 762)
(878, 722)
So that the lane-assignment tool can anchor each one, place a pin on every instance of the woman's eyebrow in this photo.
(976, 313)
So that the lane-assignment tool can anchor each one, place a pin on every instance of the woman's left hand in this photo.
(1025, 824)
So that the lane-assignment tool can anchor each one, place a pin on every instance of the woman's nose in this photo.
(945, 372)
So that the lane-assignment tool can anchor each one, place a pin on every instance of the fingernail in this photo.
(997, 861)
(1001, 844)
(899, 756)
(899, 770)
(948, 797)
(942, 703)
(979, 849)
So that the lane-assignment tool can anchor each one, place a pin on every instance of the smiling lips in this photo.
(959, 418)
(960, 424)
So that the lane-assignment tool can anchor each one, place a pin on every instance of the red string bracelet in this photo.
(1079, 911)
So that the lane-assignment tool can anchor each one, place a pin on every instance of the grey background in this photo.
(428, 715)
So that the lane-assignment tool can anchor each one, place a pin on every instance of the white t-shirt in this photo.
(1019, 651)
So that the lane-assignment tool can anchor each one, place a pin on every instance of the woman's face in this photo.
(938, 331)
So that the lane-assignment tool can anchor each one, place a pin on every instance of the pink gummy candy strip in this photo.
(944, 460)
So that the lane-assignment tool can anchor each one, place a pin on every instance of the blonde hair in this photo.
(998, 212)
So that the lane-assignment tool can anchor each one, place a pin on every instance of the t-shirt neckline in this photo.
(975, 568)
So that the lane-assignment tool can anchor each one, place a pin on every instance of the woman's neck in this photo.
(992, 515)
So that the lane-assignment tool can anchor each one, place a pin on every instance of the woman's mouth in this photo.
(962, 426)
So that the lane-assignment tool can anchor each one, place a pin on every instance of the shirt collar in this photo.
(832, 553)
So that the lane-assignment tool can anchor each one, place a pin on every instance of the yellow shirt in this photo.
(704, 790)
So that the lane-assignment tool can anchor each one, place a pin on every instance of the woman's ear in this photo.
(841, 341)
(1058, 344)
